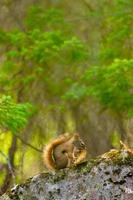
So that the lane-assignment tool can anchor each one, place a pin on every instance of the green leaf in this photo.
(14, 116)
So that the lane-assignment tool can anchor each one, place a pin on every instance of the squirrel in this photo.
(65, 151)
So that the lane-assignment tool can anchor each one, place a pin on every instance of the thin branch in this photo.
(28, 144)
(88, 5)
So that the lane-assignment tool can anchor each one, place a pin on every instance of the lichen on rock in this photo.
(108, 177)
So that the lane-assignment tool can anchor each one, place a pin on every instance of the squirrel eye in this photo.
(82, 144)
(79, 144)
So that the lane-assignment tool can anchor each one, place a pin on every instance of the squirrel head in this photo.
(79, 150)
(78, 142)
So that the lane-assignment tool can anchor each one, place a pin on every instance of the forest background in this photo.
(64, 67)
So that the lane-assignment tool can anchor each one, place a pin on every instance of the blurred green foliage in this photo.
(13, 116)
(32, 51)
(111, 85)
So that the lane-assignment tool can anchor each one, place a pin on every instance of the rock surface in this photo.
(96, 180)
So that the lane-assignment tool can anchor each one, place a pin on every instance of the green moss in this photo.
(118, 157)
(59, 175)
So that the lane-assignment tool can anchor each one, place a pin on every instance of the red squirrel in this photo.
(65, 151)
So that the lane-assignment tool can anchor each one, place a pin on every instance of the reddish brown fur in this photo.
(65, 151)
(48, 151)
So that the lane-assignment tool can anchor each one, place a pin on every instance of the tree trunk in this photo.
(10, 166)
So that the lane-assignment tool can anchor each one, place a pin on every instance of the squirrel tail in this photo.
(48, 158)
